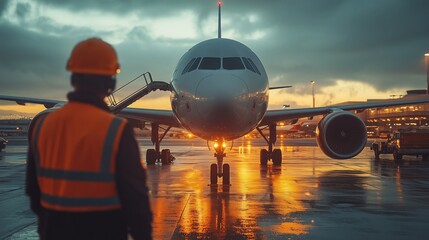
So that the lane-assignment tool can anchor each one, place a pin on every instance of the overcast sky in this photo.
(353, 49)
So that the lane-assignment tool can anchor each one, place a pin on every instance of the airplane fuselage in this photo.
(219, 90)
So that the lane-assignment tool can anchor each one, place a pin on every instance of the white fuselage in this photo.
(219, 90)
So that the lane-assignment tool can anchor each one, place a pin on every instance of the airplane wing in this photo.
(279, 87)
(23, 100)
(164, 117)
(273, 116)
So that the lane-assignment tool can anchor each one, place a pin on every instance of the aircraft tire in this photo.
(263, 157)
(226, 174)
(150, 156)
(165, 156)
(396, 155)
(277, 157)
(376, 153)
(213, 174)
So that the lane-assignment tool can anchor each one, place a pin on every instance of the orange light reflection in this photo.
(256, 193)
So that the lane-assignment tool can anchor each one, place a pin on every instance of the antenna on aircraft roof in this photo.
(219, 27)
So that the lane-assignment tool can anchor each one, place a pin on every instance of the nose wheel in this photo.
(225, 174)
(220, 170)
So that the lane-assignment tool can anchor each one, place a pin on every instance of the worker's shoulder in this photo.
(114, 119)
(76, 110)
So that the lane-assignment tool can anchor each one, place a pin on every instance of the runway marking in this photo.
(181, 215)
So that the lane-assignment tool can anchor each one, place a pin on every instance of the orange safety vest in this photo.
(75, 149)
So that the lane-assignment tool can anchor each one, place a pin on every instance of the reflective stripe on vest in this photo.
(35, 142)
(103, 177)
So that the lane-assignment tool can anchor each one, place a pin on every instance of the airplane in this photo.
(219, 92)
(303, 126)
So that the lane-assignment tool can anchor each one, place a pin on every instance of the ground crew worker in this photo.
(84, 176)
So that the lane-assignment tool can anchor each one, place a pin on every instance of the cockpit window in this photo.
(232, 63)
(214, 63)
(185, 70)
(250, 65)
(195, 64)
(254, 66)
(210, 63)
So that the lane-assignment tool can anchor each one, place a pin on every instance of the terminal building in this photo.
(383, 121)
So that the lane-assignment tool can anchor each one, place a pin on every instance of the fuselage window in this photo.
(248, 65)
(185, 70)
(210, 63)
(195, 64)
(254, 66)
(232, 63)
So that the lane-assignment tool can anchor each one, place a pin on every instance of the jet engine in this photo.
(341, 135)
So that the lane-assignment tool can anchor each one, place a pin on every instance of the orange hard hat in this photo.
(93, 56)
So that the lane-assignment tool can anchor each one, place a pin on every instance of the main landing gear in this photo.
(219, 170)
(154, 155)
(270, 154)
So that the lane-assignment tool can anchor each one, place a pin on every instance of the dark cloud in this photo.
(379, 42)
(150, 7)
(3, 5)
(32, 64)
(22, 9)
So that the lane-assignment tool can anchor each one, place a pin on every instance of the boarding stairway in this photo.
(148, 86)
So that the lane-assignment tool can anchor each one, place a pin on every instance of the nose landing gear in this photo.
(220, 170)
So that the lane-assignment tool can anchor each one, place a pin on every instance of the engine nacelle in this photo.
(341, 135)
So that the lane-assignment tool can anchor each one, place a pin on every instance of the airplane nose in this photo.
(221, 102)
(221, 87)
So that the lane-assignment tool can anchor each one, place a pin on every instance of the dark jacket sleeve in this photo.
(31, 185)
(132, 188)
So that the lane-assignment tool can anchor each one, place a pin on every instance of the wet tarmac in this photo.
(309, 196)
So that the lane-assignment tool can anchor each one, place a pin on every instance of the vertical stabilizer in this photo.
(219, 26)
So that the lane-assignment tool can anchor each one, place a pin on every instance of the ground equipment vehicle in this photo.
(409, 141)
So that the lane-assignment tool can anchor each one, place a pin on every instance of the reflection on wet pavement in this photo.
(308, 197)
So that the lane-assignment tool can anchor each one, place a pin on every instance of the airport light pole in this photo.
(312, 92)
(427, 72)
